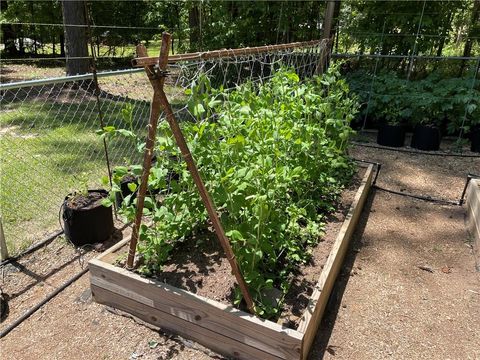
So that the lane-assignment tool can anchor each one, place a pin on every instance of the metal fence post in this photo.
(3, 244)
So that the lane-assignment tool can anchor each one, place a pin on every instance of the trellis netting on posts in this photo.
(252, 118)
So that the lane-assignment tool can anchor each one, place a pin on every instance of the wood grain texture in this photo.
(214, 340)
(472, 219)
(225, 53)
(225, 320)
(220, 327)
(112, 249)
(318, 301)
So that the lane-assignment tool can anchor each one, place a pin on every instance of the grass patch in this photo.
(47, 150)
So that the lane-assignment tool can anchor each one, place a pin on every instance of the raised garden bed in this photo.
(473, 216)
(218, 326)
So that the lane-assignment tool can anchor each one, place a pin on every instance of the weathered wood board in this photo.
(220, 327)
(473, 216)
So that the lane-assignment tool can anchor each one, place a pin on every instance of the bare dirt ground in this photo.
(408, 290)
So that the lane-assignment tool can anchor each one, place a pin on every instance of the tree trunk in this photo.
(194, 24)
(8, 34)
(62, 45)
(467, 50)
(444, 34)
(75, 36)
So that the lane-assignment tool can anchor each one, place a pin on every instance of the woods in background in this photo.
(440, 28)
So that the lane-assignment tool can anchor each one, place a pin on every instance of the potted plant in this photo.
(427, 114)
(86, 218)
(391, 132)
(465, 117)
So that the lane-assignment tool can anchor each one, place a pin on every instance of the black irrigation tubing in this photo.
(32, 310)
(33, 248)
(419, 197)
(460, 202)
(437, 153)
(377, 164)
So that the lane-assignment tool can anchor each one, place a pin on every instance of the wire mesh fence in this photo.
(49, 142)
(49, 146)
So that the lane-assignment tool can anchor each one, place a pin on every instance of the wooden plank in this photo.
(473, 216)
(318, 301)
(262, 334)
(214, 340)
(113, 248)
(145, 61)
(205, 320)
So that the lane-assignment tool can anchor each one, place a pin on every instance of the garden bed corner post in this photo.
(157, 75)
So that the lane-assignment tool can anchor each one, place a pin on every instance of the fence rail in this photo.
(49, 146)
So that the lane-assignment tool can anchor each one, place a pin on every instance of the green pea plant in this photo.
(273, 156)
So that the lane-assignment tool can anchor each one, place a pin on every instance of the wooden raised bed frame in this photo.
(473, 216)
(221, 327)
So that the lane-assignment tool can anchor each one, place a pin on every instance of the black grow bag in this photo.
(87, 225)
(426, 138)
(475, 139)
(124, 190)
(391, 135)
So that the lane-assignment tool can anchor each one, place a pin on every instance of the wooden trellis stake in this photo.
(157, 79)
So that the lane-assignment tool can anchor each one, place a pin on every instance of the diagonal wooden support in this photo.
(160, 101)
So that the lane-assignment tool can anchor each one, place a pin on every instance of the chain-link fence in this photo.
(49, 146)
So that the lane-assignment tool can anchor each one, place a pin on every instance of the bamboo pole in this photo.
(157, 80)
(155, 110)
(145, 60)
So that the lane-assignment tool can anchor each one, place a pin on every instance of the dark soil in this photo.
(79, 201)
(307, 275)
(199, 264)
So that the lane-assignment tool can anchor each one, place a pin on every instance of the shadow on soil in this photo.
(189, 268)
(28, 267)
(320, 344)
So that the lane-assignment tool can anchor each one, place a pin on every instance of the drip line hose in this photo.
(460, 202)
(419, 197)
(377, 164)
(437, 153)
(33, 309)
(33, 248)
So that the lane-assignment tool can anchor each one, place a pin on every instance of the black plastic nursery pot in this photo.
(475, 139)
(391, 135)
(426, 138)
(85, 219)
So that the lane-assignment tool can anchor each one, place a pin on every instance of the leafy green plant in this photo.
(273, 157)
(432, 101)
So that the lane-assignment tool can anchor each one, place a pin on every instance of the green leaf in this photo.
(132, 187)
(107, 202)
(234, 235)
(198, 110)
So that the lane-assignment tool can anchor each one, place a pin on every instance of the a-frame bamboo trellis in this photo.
(156, 72)
(157, 75)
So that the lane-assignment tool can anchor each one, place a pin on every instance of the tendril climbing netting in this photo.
(268, 138)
